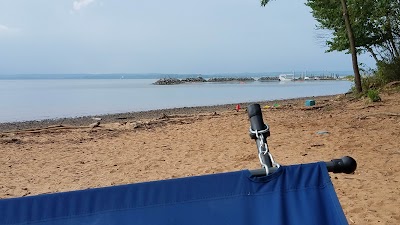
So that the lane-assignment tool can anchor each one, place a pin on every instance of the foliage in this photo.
(323, 11)
(389, 71)
(373, 95)
(349, 77)
(373, 82)
(370, 89)
(375, 24)
(264, 2)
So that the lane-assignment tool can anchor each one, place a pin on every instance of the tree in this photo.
(347, 25)
(375, 24)
(350, 35)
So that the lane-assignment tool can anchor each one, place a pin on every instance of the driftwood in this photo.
(93, 125)
(384, 114)
(52, 127)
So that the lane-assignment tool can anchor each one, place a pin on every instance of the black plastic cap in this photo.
(255, 116)
(344, 165)
(349, 165)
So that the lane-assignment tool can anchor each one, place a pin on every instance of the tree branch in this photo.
(370, 50)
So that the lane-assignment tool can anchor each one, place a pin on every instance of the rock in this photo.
(193, 80)
(244, 79)
(168, 81)
(268, 79)
(229, 79)
(172, 81)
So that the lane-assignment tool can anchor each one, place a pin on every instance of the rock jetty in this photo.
(168, 81)
(193, 80)
(268, 79)
(245, 79)
(172, 81)
(229, 79)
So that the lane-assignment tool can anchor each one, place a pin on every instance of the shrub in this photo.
(373, 95)
(376, 80)
(372, 82)
(389, 71)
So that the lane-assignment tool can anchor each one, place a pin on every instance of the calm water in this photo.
(22, 100)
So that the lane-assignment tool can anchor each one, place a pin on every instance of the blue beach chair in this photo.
(273, 195)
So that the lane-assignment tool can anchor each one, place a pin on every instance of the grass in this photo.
(373, 95)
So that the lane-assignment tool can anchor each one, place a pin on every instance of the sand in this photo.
(56, 158)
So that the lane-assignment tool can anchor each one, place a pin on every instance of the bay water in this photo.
(38, 99)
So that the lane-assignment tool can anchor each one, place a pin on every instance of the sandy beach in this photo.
(70, 154)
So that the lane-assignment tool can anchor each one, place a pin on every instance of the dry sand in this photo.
(67, 158)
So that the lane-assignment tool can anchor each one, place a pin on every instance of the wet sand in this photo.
(63, 155)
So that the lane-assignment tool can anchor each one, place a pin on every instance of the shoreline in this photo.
(7, 127)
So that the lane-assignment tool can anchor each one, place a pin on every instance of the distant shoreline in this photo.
(161, 75)
(143, 115)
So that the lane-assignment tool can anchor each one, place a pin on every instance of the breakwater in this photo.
(172, 81)
(268, 79)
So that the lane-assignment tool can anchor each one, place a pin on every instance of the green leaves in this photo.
(375, 25)
(264, 2)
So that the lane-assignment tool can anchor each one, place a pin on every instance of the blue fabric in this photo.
(299, 194)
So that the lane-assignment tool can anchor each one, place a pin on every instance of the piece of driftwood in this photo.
(52, 127)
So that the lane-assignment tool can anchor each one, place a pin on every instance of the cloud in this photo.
(8, 30)
(4, 28)
(80, 4)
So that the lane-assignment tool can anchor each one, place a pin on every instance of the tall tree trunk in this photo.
(357, 77)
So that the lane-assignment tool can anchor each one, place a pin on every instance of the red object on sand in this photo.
(237, 107)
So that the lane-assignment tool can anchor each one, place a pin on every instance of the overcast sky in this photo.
(159, 36)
